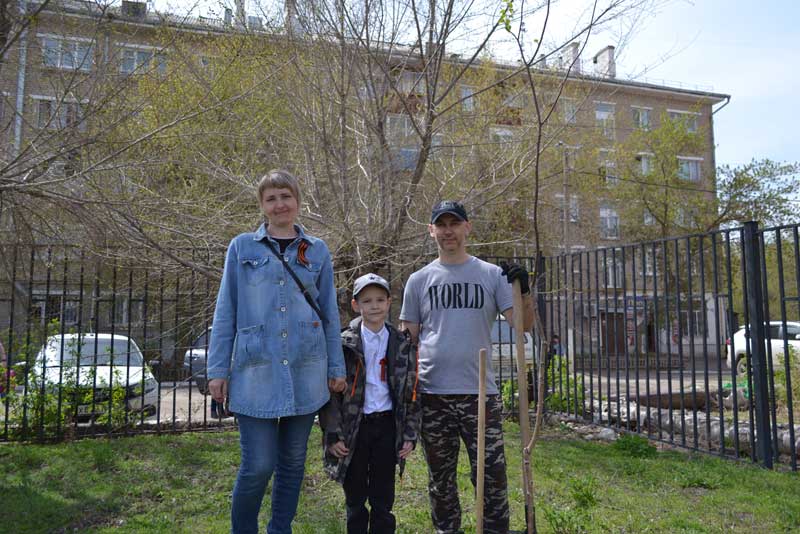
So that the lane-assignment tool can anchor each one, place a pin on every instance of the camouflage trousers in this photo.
(446, 419)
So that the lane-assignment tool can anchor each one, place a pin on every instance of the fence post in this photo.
(541, 307)
(755, 307)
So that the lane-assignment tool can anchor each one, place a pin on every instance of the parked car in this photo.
(195, 360)
(775, 334)
(106, 362)
(504, 347)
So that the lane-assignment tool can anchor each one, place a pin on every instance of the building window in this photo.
(516, 101)
(501, 135)
(689, 169)
(54, 307)
(696, 327)
(648, 263)
(571, 155)
(120, 307)
(573, 210)
(366, 91)
(687, 118)
(467, 98)
(59, 115)
(438, 149)
(641, 117)
(411, 82)
(608, 168)
(609, 223)
(402, 137)
(44, 113)
(577, 260)
(141, 59)
(604, 118)
(71, 53)
(646, 161)
(66, 166)
(614, 268)
(405, 159)
(71, 116)
(649, 219)
(685, 217)
(399, 128)
(569, 110)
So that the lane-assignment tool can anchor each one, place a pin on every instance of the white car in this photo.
(104, 360)
(775, 336)
(504, 354)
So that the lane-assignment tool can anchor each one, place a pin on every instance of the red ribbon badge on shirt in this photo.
(383, 363)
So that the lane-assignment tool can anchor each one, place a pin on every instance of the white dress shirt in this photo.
(376, 394)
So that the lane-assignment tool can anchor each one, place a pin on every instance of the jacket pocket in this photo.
(251, 347)
(308, 274)
(312, 340)
(255, 270)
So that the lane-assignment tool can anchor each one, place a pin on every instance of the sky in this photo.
(745, 49)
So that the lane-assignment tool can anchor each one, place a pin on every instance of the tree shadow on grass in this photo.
(26, 510)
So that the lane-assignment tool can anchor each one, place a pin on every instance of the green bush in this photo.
(562, 387)
(634, 446)
(46, 409)
(565, 520)
(781, 391)
(583, 491)
(697, 477)
(508, 388)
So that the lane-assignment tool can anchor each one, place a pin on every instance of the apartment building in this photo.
(77, 53)
(78, 59)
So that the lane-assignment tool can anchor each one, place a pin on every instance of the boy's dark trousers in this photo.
(370, 477)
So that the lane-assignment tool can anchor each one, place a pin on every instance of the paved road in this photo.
(182, 403)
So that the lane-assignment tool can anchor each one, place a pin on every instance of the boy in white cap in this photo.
(373, 425)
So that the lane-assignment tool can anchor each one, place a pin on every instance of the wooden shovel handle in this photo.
(481, 441)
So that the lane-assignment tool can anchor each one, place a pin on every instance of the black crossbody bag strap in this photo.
(300, 285)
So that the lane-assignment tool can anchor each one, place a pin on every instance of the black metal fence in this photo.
(96, 345)
(693, 341)
(649, 341)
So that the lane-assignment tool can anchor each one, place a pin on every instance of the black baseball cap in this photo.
(448, 206)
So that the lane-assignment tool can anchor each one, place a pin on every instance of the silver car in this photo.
(195, 360)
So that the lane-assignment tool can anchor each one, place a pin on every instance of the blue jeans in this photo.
(269, 445)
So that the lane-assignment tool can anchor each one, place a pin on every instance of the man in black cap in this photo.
(449, 307)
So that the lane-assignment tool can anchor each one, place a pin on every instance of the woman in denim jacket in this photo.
(273, 353)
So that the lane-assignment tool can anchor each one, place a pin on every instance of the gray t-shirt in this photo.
(455, 306)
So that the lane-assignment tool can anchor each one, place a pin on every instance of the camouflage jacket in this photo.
(341, 416)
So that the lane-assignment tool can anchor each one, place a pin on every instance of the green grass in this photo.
(182, 483)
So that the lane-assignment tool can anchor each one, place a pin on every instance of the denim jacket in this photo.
(271, 345)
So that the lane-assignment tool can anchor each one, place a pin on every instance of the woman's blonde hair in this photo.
(279, 179)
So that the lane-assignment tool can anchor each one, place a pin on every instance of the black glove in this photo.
(513, 271)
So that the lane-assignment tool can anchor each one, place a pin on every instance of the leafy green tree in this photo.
(657, 193)
(761, 190)
(664, 191)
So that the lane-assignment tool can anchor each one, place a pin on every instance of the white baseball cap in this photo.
(369, 279)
